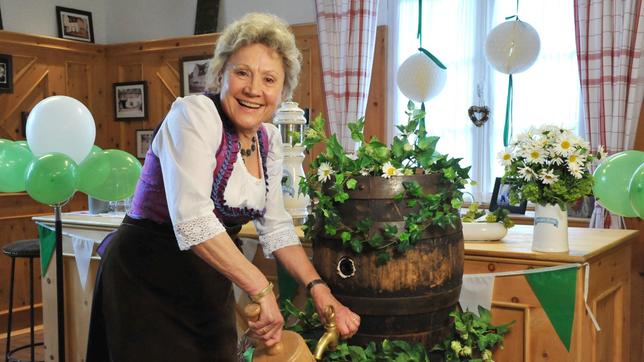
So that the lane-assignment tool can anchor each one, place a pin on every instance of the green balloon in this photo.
(95, 149)
(612, 179)
(23, 144)
(636, 191)
(13, 163)
(4, 140)
(51, 178)
(110, 175)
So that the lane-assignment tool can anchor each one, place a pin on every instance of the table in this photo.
(532, 338)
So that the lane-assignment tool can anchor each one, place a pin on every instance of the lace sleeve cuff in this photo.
(197, 230)
(277, 240)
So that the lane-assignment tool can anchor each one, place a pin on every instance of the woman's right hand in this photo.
(268, 328)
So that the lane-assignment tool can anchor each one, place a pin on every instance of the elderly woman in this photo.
(163, 292)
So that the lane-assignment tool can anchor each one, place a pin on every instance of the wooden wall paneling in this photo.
(45, 66)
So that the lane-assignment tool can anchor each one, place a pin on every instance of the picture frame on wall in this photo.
(75, 24)
(501, 198)
(143, 141)
(6, 74)
(207, 15)
(130, 101)
(193, 74)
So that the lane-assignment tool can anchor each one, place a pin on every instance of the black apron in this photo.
(154, 302)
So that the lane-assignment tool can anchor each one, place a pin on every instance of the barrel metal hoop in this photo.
(401, 305)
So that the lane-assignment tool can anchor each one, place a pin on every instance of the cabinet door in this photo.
(532, 336)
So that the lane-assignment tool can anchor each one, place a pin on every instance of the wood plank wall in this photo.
(46, 66)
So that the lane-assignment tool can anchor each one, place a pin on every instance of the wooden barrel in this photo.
(410, 297)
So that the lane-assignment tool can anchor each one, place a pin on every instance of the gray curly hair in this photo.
(256, 28)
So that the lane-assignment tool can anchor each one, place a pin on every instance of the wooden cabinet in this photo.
(532, 337)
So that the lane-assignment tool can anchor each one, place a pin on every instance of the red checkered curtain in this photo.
(347, 35)
(609, 44)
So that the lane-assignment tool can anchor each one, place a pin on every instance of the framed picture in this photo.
(193, 74)
(501, 198)
(6, 74)
(75, 24)
(143, 140)
(130, 100)
(207, 14)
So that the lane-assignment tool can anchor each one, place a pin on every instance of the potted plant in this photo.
(385, 228)
(479, 225)
(549, 166)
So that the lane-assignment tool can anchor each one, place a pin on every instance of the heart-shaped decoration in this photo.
(478, 115)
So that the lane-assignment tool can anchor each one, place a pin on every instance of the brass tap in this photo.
(331, 337)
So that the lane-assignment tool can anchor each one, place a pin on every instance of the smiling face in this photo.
(251, 86)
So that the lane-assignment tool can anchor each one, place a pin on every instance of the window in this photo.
(455, 32)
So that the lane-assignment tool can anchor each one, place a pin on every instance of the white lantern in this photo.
(512, 47)
(419, 78)
(290, 120)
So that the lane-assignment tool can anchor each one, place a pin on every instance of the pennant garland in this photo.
(83, 253)
(476, 291)
(47, 239)
(556, 293)
(554, 287)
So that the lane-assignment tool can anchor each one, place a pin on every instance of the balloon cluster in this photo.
(619, 183)
(59, 157)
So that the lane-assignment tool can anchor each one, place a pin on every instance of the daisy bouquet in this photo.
(548, 165)
(333, 173)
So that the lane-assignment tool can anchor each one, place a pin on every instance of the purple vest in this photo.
(149, 200)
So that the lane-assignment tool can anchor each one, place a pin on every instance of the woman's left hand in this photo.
(347, 322)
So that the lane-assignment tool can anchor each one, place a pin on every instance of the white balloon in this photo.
(61, 124)
(419, 78)
(512, 47)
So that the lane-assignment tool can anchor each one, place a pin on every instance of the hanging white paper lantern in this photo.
(419, 78)
(512, 47)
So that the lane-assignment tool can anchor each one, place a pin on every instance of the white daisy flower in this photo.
(601, 153)
(324, 172)
(505, 157)
(364, 172)
(575, 170)
(535, 155)
(527, 173)
(389, 170)
(556, 161)
(565, 144)
(576, 160)
(548, 177)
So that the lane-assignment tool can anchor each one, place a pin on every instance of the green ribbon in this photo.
(432, 57)
(47, 239)
(507, 134)
(419, 34)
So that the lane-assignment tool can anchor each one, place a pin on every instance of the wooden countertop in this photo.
(584, 243)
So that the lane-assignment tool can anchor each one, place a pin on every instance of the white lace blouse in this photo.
(186, 145)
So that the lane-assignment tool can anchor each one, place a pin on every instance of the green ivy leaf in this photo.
(356, 245)
(345, 235)
(352, 183)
